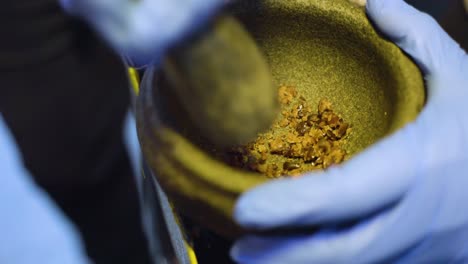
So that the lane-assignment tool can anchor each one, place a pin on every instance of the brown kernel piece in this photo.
(302, 128)
(310, 156)
(324, 105)
(318, 161)
(331, 135)
(284, 122)
(273, 171)
(286, 94)
(295, 173)
(291, 138)
(313, 119)
(341, 131)
(334, 157)
(300, 111)
(262, 168)
(295, 151)
(288, 165)
(324, 146)
(261, 148)
(331, 119)
(278, 146)
(316, 133)
(307, 141)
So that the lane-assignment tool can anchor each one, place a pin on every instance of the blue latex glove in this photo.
(32, 228)
(143, 29)
(408, 194)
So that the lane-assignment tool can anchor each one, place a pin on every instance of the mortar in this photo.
(326, 49)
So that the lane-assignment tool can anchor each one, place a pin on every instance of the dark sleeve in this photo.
(65, 95)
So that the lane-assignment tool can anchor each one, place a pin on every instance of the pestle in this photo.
(224, 83)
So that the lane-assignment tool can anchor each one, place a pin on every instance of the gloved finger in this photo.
(370, 241)
(326, 246)
(419, 35)
(377, 238)
(144, 30)
(370, 181)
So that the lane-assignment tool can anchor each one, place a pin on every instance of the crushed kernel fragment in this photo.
(301, 140)
(324, 105)
(291, 165)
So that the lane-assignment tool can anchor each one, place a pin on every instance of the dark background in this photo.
(450, 14)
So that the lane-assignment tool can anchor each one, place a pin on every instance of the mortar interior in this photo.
(326, 49)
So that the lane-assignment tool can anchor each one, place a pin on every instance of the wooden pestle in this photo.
(224, 83)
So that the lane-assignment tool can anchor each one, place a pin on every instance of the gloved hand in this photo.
(143, 29)
(407, 196)
(32, 228)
